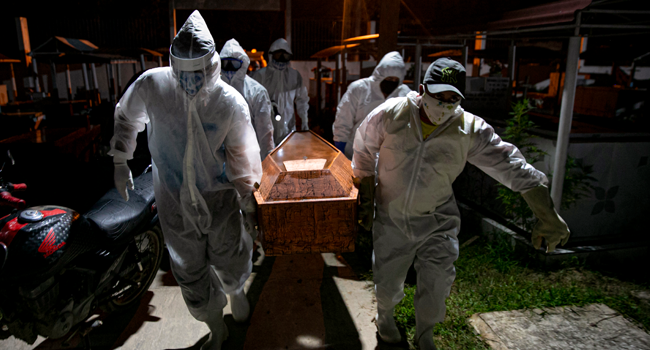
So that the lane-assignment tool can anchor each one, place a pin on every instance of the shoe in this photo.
(426, 343)
(387, 328)
(218, 332)
(239, 306)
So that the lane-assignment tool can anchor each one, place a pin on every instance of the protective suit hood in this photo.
(286, 89)
(391, 65)
(232, 49)
(280, 44)
(193, 50)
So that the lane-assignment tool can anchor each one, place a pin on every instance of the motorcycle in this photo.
(58, 266)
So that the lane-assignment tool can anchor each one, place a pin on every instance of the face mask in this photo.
(191, 82)
(279, 65)
(388, 86)
(438, 111)
(227, 75)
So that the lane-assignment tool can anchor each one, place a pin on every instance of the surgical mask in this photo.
(438, 111)
(388, 86)
(191, 82)
(228, 75)
(279, 65)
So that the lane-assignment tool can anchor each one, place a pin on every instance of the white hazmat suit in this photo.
(285, 89)
(417, 219)
(363, 96)
(255, 94)
(204, 153)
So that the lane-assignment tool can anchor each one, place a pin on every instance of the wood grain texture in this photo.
(306, 185)
(270, 173)
(342, 170)
(294, 213)
(308, 227)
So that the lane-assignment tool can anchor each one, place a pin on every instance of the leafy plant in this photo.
(577, 179)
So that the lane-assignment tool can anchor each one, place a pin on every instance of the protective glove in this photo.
(366, 188)
(340, 145)
(250, 223)
(550, 225)
(122, 177)
(304, 127)
(249, 210)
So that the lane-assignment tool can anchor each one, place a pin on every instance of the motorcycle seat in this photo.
(114, 218)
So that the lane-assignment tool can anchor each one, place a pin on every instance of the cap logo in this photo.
(449, 75)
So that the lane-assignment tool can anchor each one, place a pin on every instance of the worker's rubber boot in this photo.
(239, 306)
(218, 332)
(426, 342)
(386, 326)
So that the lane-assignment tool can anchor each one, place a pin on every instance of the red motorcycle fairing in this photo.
(35, 247)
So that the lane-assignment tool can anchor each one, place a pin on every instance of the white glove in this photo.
(550, 225)
(250, 223)
(122, 177)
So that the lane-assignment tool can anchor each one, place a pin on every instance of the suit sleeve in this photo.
(130, 118)
(502, 160)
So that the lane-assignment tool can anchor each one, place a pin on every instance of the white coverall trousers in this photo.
(225, 264)
(434, 255)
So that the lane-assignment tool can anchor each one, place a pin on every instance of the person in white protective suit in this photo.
(234, 65)
(366, 94)
(285, 88)
(206, 161)
(419, 144)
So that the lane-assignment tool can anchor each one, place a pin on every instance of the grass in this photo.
(489, 277)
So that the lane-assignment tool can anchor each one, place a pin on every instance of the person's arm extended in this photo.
(505, 163)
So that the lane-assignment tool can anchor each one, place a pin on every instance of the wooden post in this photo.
(119, 78)
(337, 83)
(344, 71)
(13, 81)
(318, 87)
(417, 73)
(172, 21)
(37, 85)
(68, 81)
(287, 21)
(55, 84)
(142, 65)
(388, 26)
(109, 80)
(96, 93)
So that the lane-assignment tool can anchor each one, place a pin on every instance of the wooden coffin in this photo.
(306, 201)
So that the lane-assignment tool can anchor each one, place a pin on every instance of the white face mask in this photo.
(438, 111)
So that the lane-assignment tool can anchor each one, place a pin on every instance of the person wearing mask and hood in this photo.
(285, 88)
(412, 149)
(366, 94)
(206, 160)
(234, 66)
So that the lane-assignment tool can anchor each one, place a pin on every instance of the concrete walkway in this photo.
(312, 301)
(592, 327)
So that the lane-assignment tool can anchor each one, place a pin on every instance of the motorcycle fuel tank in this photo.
(35, 239)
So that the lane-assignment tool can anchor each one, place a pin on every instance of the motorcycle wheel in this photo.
(150, 246)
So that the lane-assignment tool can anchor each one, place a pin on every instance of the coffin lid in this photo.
(305, 167)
